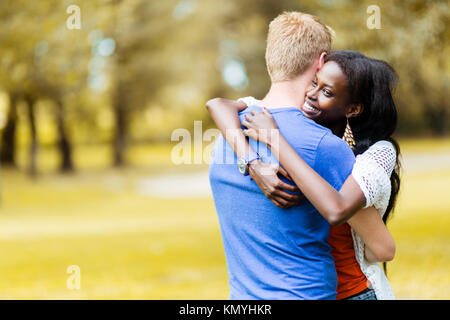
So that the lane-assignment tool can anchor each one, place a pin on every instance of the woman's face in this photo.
(327, 98)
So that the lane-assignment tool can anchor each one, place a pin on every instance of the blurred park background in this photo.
(86, 117)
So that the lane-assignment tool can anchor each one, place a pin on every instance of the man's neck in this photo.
(287, 93)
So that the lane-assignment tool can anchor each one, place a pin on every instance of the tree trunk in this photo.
(120, 133)
(32, 169)
(64, 145)
(9, 133)
(438, 119)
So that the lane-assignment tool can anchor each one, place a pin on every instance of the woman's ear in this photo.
(355, 110)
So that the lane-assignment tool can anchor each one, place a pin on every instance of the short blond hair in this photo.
(294, 41)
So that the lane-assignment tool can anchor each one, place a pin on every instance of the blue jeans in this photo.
(365, 295)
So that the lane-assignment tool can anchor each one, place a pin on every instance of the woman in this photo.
(351, 95)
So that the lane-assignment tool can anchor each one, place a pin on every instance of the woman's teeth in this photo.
(309, 107)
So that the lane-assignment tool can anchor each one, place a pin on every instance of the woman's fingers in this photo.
(275, 202)
(245, 123)
(266, 112)
(248, 121)
(288, 187)
(251, 133)
(280, 202)
(294, 198)
(284, 173)
(256, 114)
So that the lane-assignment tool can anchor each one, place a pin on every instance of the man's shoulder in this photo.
(296, 118)
(330, 141)
(301, 130)
(334, 160)
(334, 151)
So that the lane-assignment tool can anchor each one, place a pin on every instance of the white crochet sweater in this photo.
(372, 171)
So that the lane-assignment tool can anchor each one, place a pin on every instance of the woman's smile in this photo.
(310, 110)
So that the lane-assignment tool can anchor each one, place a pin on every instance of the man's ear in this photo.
(321, 61)
(355, 110)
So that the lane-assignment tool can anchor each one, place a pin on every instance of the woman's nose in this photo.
(312, 93)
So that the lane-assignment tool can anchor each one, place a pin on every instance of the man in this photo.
(275, 253)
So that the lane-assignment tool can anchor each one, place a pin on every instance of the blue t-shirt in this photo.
(275, 253)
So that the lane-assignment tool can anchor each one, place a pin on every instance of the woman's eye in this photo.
(328, 93)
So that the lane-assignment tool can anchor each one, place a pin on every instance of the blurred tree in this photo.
(128, 34)
(30, 99)
(138, 69)
(7, 151)
(39, 64)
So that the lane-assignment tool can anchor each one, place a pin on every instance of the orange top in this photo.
(351, 280)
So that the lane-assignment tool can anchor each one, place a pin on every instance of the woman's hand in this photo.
(261, 126)
(265, 176)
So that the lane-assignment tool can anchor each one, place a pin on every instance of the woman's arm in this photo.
(336, 207)
(225, 114)
(379, 244)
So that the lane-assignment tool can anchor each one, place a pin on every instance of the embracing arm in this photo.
(335, 206)
(225, 114)
(379, 244)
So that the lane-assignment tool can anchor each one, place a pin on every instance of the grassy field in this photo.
(131, 246)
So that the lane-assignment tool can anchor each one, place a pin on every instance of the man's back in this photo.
(275, 253)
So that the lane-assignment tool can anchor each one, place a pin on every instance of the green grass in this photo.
(129, 246)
